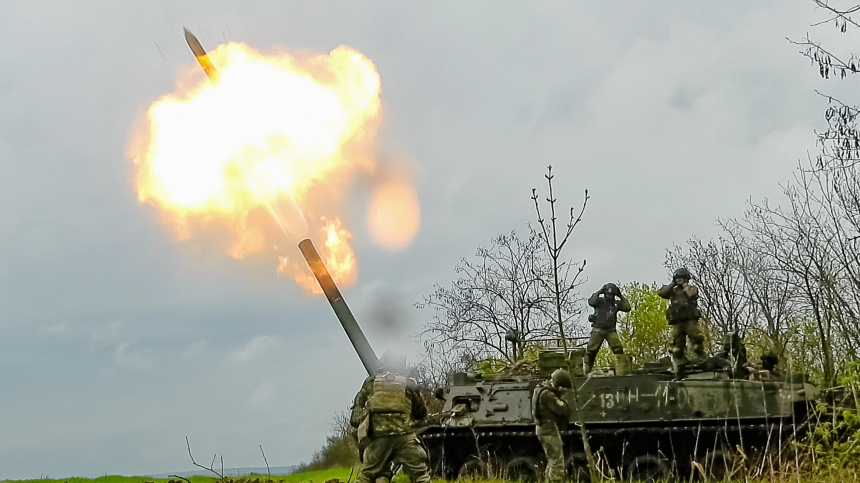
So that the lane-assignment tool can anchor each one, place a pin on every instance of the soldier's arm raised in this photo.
(624, 306)
(692, 291)
(552, 403)
(665, 291)
(594, 300)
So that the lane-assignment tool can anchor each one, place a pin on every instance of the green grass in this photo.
(343, 474)
(114, 479)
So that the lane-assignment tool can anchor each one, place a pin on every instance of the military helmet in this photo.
(512, 335)
(682, 273)
(770, 358)
(612, 289)
(561, 378)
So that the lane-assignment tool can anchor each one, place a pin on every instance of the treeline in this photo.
(340, 449)
(788, 275)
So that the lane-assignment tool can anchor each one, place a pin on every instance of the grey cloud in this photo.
(254, 348)
(128, 356)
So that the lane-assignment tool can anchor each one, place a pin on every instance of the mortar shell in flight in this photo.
(201, 55)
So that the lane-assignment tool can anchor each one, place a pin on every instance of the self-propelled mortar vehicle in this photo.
(641, 425)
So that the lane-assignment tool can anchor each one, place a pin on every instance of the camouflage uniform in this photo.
(384, 411)
(683, 315)
(607, 302)
(551, 415)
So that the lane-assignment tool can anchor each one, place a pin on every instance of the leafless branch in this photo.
(268, 471)
(504, 288)
(828, 62)
(838, 15)
(210, 468)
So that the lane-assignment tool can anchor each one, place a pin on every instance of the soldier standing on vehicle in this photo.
(551, 416)
(384, 412)
(770, 363)
(683, 315)
(607, 302)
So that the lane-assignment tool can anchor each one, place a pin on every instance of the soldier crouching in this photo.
(551, 415)
(384, 411)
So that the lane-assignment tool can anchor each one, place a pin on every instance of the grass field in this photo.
(342, 474)
(347, 474)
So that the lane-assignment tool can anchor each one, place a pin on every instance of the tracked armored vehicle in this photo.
(642, 425)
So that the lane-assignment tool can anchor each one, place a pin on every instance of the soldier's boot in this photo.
(589, 362)
(623, 364)
(386, 476)
(679, 361)
(699, 351)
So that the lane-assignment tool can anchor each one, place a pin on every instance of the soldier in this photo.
(735, 353)
(384, 412)
(607, 302)
(683, 315)
(551, 416)
(770, 363)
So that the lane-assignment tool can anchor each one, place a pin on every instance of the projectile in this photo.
(200, 53)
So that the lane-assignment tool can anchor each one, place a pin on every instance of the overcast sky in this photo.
(118, 341)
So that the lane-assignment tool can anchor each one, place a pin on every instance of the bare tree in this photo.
(716, 265)
(800, 246)
(563, 283)
(770, 292)
(836, 190)
(503, 289)
(564, 286)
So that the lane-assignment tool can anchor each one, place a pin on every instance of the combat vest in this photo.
(389, 406)
(389, 395)
(682, 307)
(605, 315)
(544, 424)
(536, 410)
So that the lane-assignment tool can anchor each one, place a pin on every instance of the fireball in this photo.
(267, 133)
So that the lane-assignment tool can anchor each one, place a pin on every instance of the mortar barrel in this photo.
(341, 310)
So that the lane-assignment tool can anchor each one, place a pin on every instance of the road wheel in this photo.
(721, 465)
(473, 469)
(524, 468)
(577, 468)
(647, 468)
